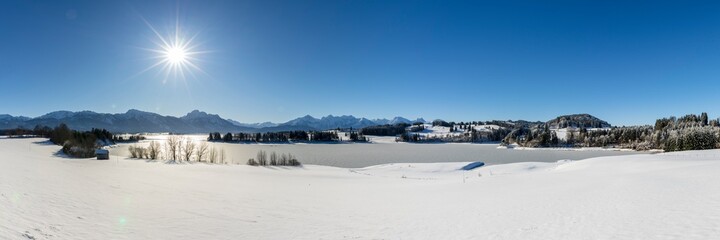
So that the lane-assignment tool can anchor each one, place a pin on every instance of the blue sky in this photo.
(628, 62)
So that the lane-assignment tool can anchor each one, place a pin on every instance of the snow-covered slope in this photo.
(397, 120)
(253, 125)
(660, 196)
(209, 122)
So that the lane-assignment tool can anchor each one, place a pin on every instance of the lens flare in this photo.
(176, 53)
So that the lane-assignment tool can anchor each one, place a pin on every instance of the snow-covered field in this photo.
(440, 131)
(649, 196)
(516, 147)
(561, 133)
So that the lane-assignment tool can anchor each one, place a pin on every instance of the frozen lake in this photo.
(355, 155)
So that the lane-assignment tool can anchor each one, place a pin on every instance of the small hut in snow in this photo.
(102, 154)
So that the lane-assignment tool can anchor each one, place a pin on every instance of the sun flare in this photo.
(176, 54)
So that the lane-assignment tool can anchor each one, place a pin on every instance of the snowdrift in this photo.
(651, 196)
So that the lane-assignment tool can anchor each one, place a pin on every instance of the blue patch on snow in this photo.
(472, 166)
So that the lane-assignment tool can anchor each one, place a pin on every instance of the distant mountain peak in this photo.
(58, 114)
(332, 122)
(11, 117)
(137, 114)
(135, 111)
(254, 125)
(196, 121)
(195, 114)
(397, 120)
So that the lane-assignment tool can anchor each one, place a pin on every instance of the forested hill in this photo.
(577, 121)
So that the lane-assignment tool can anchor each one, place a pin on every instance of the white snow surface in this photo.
(440, 131)
(650, 196)
(561, 133)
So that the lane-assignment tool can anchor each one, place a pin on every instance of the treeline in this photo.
(131, 138)
(690, 132)
(355, 136)
(17, 132)
(385, 130)
(503, 124)
(277, 137)
(81, 144)
(442, 123)
(77, 143)
(459, 133)
(324, 136)
(260, 137)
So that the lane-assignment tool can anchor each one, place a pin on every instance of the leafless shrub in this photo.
(262, 158)
(188, 149)
(284, 159)
(138, 152)
(133, 153)
(145, 153)
(153, 150)
(275, 160)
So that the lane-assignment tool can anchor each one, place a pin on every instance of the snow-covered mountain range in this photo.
(130, 121)
(194, 122)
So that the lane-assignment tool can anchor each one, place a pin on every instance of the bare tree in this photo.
(284, 159)
(188, 149)
(201, 151)
(262, 158)
(273, 159)
(173, 145)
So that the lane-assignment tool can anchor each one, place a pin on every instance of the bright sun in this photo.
(175, 53)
